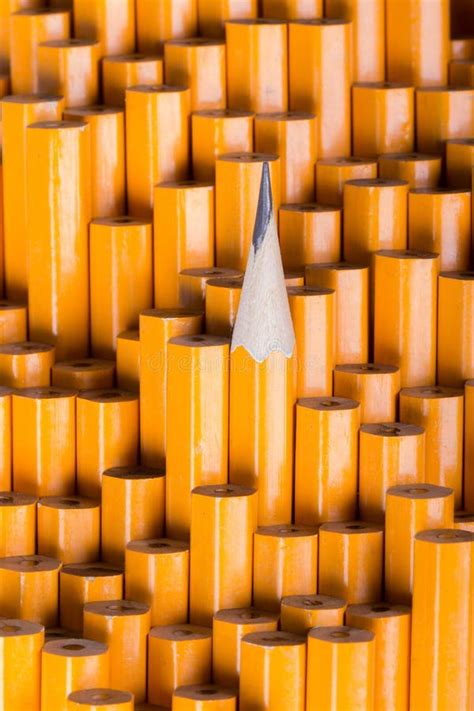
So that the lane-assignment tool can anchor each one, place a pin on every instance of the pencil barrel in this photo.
(228, 629)
(121, 279)
(156, 327)
(183, 223)
(44, 442)
(411, 509)
(325, 476)
(439, 410)
(157, 573)
(455, 333)
(351, 561)
(58, 165)
(157, 137)
(112, 415)
(123, 626)
(124, 70)
(197, 420)
(80, 583)
(249, 86)
(177, 655)
(20, 663)
(272, 671)
(133, 501)
(223, 521)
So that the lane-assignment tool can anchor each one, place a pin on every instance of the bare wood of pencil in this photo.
(263, 323)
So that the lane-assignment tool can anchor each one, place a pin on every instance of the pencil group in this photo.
(224, 485)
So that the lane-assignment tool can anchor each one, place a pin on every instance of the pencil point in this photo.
(264, 208)
(263, 323)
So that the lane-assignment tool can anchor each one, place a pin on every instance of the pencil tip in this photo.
(264, 208)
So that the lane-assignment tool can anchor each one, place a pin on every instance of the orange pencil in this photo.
(223, 522)
(44, 443)
(125, 70)
(17, 524)
(398, 321)
(418, 169)
(351, 285)
(177, 655)
(183, 224)
(17, 113)
(292, 136)
(469, 446)
(441, 613)
(109, 22)
(5, 438)
(439, 220)
(459, 160)
(6, 9)
(197, 423)
(69, 528)
(440, 411)
(332, 173)
(341, 668)
(121, 278)
(12, 322)
(285, 563)
(70, 67)
(409, 510)
(368, 35)
(20, 663)
(157, 572)
(299, 613)
(325, 476)
(292, 9)
(272, 672)
(390, 455)
(160, 20)
(443, 113)
(383, 118)
(29, 588)
(312, 310)
(128, 360)
(320, 78)
(80, 583)
(375, 217)
(192, 284)
(217, 132)
(228, 628)
(106, 434)
(198, 63)
(28, 28)
(107, 132)
(391, 625)
(252, 46)
(156, 328)
(123, 626)
(351, 561)
(213, 14)
(455, 332)
(133, 508)
(374, 385)
(58, 164)
(309, 233)
(418, 41)
(157, 137)
(26, 365)
(222, 302)
(86, 374)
